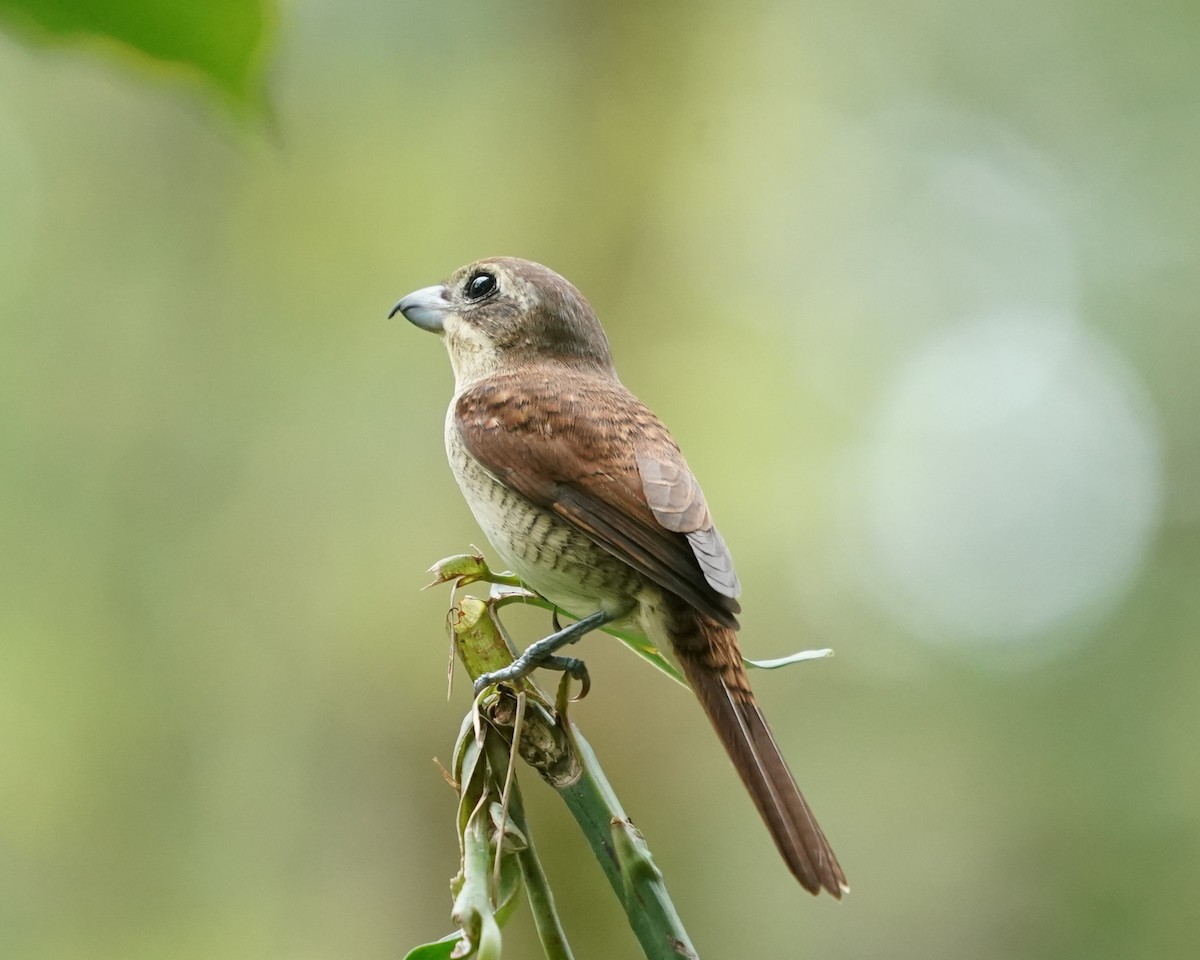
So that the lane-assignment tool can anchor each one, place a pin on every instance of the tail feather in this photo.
(711, 661)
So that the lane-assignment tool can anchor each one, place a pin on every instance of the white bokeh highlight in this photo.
(1006, 482)
(1011, 481)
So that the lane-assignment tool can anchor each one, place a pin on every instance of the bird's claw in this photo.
(574, 668)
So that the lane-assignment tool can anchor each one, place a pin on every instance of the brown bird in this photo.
(584, 494)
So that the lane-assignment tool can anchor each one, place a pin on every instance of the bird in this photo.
(585, 495)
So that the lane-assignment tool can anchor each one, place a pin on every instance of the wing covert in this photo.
(590, 452)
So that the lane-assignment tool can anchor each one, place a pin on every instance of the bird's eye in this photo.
(480, 285)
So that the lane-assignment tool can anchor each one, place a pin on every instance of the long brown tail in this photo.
(711, 660)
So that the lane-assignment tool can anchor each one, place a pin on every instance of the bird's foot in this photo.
(575, 669)
(541, 654)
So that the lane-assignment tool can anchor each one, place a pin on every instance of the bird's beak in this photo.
(424, 308)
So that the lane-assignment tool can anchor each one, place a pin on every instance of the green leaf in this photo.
(799, 657)
(438, 950)
(222, 40)
(465, 568)
(473, 909)
(648, 652)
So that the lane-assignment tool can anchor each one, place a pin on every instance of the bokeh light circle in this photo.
(1012, 481)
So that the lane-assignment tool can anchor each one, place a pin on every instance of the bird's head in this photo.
(500, 314)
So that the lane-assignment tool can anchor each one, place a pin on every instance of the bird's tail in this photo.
(711, 661)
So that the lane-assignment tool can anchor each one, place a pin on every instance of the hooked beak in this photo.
(424, 308)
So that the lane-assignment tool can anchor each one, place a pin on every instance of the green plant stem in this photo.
(626, 861)
(537, 887)
(562, 758)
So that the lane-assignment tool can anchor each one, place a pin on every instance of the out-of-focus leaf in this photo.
(222, 39)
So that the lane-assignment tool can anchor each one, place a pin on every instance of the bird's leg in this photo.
(572, 667)
(540, 654)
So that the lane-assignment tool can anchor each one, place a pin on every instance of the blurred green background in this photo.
(916, 288)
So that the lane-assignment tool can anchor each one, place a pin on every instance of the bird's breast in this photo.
(551, 556)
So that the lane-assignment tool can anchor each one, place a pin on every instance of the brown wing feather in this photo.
(675, 499)
(588, 450)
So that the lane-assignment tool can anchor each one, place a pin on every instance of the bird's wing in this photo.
(586, 449)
